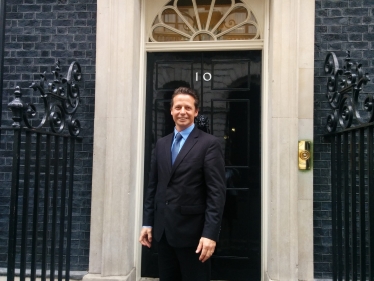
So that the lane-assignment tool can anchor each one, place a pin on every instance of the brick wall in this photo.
(37, 33)
(340, 25)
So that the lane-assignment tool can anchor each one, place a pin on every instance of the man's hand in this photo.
(206, 247)
(145, 237)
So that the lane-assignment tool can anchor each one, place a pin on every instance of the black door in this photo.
(229, 85)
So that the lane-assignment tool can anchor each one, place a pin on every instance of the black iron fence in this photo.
(352, 193)
(42, 177)
(352, 178)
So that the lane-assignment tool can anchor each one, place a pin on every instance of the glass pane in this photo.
(205, 17)
(244, 32)
(203, 37)
(163, 34)
(172, 19)
(156, 21)
(219, 10)
(236, 17)
(187, 10)
(215, 18)
(184, 4)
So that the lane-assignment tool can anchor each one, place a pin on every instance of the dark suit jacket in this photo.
(186, 200)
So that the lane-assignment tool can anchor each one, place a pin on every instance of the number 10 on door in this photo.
(206, 76)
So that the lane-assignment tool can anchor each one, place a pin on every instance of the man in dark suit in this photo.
(185, 197)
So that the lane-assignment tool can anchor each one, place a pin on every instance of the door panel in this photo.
(230, 91)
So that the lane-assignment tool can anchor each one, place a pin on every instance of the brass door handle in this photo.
(305, 155)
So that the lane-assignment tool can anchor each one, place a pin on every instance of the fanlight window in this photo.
(204, 20)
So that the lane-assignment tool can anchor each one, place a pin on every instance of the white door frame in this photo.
(261, 44)
(287, 116)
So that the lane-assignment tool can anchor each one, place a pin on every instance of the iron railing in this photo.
(352, 194)
(42, 176)
(352, 179)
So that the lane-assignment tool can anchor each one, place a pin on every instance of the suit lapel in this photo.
(190, 142)
(167, 152)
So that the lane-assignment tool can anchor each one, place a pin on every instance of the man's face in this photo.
(183, 111)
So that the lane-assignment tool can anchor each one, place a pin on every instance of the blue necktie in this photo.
(175, 149)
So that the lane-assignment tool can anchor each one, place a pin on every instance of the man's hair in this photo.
(185, 91)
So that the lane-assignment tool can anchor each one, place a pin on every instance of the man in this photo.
(185, 197)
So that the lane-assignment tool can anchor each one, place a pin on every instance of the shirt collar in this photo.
(186, 132)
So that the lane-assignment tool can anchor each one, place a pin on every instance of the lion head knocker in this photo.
(202, 122)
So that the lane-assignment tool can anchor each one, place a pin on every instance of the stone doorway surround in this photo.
(287, 206)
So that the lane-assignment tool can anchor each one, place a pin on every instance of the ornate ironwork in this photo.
(344, 88)
(59, 104)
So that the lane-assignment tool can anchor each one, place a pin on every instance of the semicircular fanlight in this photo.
(202, 20)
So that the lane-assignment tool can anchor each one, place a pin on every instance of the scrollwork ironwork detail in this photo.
(343, 89)
(60, 101)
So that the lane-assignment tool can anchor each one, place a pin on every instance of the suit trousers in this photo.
(181, 264)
